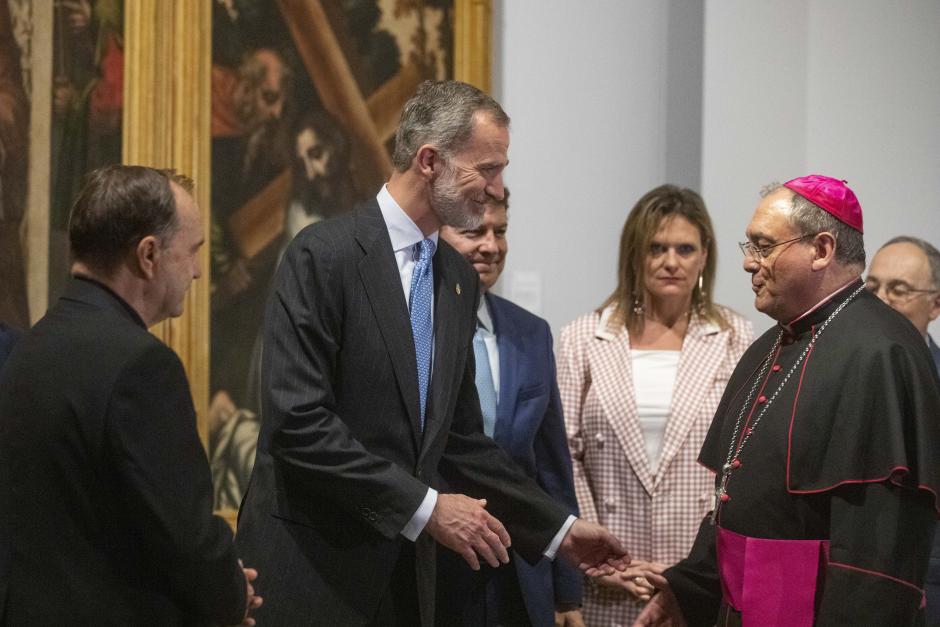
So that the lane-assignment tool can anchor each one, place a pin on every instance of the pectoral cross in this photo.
(721, 492)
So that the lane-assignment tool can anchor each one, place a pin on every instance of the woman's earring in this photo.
(701, 296)
(638, 307)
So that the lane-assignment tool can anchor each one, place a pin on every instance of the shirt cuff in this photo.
(421, 517)
(552, 547)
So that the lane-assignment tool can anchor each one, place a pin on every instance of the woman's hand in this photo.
(634, 579)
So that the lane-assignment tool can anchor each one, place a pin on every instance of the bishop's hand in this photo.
(663, 609)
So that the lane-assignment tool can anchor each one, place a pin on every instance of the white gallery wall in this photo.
(610, 98)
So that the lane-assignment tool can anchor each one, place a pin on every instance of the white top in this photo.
(654, 376)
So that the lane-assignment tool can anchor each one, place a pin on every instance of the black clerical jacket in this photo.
(105, 491)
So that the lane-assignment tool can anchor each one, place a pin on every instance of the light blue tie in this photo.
(422, 328)
(484, 380)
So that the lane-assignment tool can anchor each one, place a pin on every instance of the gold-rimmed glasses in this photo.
(759, 253)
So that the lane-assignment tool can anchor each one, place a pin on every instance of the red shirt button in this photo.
(776, 368)
(761, 399)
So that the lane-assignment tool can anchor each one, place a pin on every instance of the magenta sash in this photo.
(771, 582)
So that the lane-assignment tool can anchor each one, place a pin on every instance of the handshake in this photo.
(462, 524)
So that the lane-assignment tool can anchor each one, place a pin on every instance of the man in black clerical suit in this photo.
(824, 444)
(106, 494)
(369, 397)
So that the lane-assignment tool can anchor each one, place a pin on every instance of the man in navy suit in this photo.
(905, 274)
(515, 377)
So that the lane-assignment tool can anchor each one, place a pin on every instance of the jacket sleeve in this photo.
(694, 580)
(573, 382)
(554, 474)
(166, 487)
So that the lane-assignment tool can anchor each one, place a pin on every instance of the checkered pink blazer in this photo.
(656, 516)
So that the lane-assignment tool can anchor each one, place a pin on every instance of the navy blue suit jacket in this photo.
(530, 427)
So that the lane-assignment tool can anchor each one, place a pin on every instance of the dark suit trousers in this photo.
(399, 605)
(490, 597)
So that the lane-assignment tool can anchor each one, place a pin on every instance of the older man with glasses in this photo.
(905, 274)
(823, 445)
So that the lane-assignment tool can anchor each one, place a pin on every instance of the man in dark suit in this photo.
(905, 274)
(106, 492)
(515, 378)
(369, 396)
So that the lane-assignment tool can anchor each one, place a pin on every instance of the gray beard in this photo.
(452, 208)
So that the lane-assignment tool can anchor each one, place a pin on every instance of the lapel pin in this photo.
(458, 289)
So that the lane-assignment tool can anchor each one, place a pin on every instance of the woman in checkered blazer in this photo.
(640, 379)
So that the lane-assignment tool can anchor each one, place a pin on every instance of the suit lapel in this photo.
(507, 338)
(379, 272)
(612, 369)
(702, 355)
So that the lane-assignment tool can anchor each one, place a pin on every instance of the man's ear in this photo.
(147, 255)
(429, 161)
(934, 308)
(824, 250)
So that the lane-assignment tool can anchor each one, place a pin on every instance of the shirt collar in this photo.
(402, 230)
(484, 318)
(820, 311)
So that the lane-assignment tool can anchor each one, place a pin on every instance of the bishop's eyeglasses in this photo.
(759, 253)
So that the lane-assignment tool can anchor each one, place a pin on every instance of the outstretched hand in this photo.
(254, 601)
(593, 549)
(462, 524)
